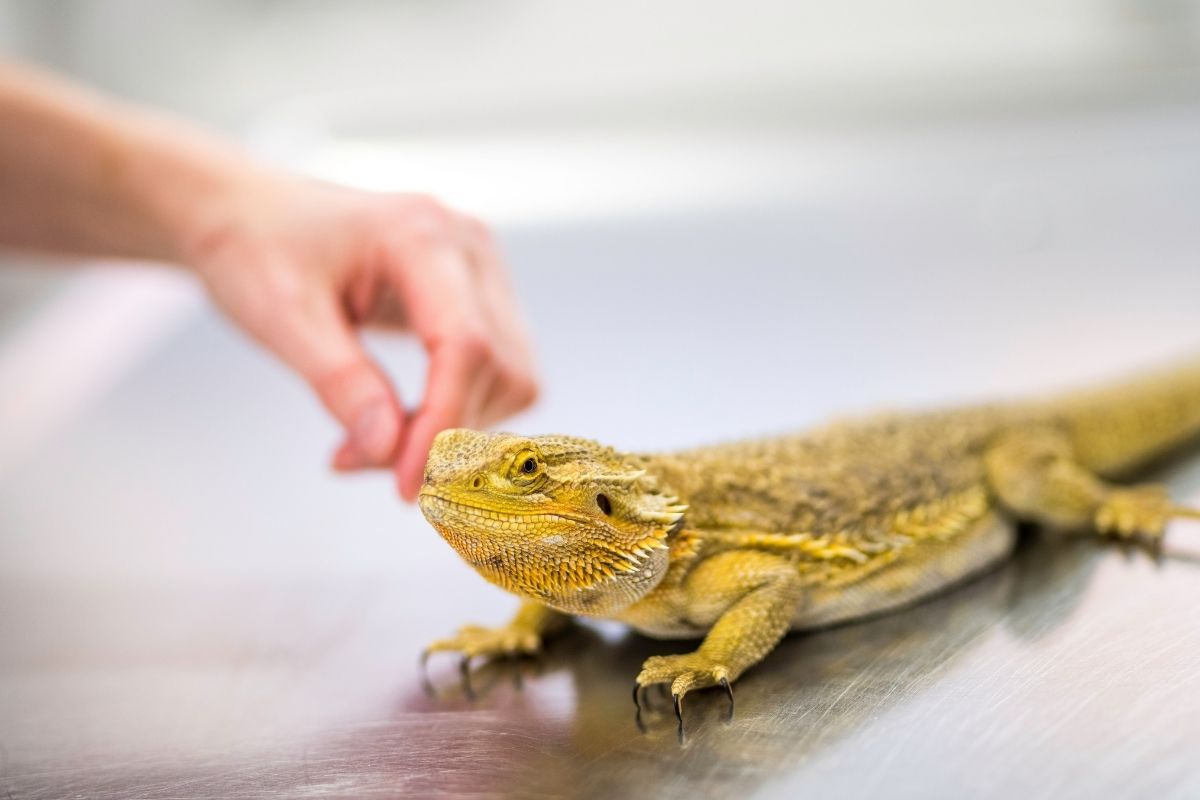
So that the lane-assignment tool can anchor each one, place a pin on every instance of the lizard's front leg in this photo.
(523, 635)
(752, 596)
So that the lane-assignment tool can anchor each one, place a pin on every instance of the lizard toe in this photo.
(1137, 511)
(684, 673)
(474, 641)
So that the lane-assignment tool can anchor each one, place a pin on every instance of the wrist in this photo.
(192, 190)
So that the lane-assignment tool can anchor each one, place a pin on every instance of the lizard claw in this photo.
(464, 670)
(684, 673)
(423, 666)
(474, 641)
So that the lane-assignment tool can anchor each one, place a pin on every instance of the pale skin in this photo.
(300, 266)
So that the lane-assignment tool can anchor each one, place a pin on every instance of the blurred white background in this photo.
(529, 62)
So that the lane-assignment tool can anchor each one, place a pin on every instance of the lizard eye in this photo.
(526, 468)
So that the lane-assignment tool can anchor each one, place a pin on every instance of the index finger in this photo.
(459, 381)
(433, 278)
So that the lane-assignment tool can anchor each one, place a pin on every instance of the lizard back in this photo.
(847, 476)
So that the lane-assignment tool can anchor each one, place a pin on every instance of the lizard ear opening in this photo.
(604, 503)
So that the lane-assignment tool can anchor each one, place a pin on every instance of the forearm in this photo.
(86, 175)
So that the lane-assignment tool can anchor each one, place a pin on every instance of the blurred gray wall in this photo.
(226, 61)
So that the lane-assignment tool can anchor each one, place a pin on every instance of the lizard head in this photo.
(566, 522)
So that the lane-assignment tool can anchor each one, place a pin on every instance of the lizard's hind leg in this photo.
(1140, 510)
(1035, 475)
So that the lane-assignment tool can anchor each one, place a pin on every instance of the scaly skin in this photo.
(740, 543)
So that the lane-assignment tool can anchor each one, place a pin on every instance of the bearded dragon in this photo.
(740, 543)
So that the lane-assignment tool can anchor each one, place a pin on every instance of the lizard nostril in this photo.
(477, 482)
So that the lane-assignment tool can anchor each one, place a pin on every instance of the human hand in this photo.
(301, 266)
(298, 264)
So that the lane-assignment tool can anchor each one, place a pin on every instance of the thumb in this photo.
(329, 356)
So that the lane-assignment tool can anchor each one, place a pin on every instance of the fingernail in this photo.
(374, 432)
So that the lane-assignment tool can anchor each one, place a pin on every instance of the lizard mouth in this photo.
(438, 508)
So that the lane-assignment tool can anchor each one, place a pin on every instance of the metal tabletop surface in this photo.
(192, 607)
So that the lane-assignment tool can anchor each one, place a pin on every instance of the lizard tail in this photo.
(1122, 428)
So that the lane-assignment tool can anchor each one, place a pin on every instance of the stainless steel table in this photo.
(191, 607)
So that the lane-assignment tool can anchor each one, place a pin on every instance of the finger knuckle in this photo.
(278, 292)
(524, 389)
(478, 230)
(475, 346)
(283, 287)
(426, 219)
